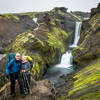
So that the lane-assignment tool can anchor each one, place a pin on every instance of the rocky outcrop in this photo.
(43, 90)
(82, 15)
(11, 25)
(3, 62)
(95, 10)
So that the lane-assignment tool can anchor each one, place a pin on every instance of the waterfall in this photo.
(66, 65)
(77, 34)
(67, 57)
(66, 60)
(36, 21)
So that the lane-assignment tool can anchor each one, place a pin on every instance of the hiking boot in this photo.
(13, 95)
(22, 95)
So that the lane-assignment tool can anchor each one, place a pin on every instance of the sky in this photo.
(17, 6)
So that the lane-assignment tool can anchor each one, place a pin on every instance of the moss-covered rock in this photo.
(89, 47)
(85, 84)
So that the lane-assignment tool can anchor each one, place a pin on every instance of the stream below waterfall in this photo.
(66, 66)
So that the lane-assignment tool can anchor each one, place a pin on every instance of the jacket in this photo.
(26, 66)
(13, 66)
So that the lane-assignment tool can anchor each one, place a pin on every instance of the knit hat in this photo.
(17, 55)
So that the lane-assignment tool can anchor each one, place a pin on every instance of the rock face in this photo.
(85, 83)
(12, 25)
(3, 62)
(95, 10)
(43, 90)
(88, 49)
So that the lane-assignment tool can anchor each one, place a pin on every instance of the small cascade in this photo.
(36, 21)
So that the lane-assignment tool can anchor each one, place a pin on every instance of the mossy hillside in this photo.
(57, 37)
(9, 16)
(86, 84)
(89, 48)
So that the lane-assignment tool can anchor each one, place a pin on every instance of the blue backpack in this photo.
(11, 56)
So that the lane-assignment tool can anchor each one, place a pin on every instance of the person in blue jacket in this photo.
(13, 70)
(25, 69)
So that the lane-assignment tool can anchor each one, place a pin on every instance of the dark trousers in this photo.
(13, 78)
(26, 80)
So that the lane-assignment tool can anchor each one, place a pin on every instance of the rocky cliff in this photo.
(85, 83)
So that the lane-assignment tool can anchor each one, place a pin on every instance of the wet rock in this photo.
(3, 62)
(2, 50)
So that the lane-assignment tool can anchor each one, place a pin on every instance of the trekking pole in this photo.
(24, 79)
(28, 83)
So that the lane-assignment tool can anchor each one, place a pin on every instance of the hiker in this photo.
(13, 70)
(25, 69)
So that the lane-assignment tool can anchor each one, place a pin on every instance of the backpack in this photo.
(30, 61)
(11, 56)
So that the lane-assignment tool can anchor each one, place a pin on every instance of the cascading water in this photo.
(36, 21)
(66, 66)
(77, 34)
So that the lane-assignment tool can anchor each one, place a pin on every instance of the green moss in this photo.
(16, 17)
(53, 41)
(9, 16)
(55, 38)
(87, 78)
(79, 19)
(52, 23)
(32, 15)
(60, 12)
